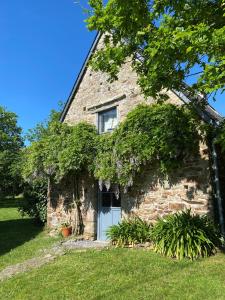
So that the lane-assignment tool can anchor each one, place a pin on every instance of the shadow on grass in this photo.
(9, 202)
(14, 233)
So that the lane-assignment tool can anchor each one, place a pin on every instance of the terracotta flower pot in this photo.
(66, 231)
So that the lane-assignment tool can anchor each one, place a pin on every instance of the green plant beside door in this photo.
(180, 235)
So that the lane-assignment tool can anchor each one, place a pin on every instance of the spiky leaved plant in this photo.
(129, 232)
(184, 235)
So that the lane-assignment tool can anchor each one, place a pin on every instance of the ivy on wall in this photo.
(158, 134)
(79, 150)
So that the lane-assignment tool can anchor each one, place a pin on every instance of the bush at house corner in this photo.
(35, 201)
(184, 235)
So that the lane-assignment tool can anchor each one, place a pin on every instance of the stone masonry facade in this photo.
(61, 207)
(151, 196)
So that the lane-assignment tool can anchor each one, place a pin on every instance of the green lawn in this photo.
(106, 274)
(20, 238)
(120, 274)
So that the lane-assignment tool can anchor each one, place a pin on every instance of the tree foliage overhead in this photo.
(10, 144)
(166, 40)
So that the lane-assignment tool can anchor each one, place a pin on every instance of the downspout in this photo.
(217, 186)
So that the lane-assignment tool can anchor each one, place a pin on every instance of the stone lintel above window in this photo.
(106, 105)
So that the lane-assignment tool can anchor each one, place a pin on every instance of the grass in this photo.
(120, 274)
(106, 274)
(20, 238)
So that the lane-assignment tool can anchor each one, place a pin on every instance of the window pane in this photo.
(107, 120)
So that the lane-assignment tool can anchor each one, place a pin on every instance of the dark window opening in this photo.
(109, 198)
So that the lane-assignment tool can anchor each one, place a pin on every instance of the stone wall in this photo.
(151, 196)
(61, 207)
(95, 93)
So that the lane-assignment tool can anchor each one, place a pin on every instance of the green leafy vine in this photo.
(162, 135)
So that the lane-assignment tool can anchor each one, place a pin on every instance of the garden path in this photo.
(49, 255)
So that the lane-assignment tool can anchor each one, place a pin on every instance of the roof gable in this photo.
(208, 114)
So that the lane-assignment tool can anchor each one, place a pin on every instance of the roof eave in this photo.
(79, 78)
(209, 114)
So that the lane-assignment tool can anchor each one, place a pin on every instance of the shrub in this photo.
(35, 201)
(129, 232)
(184, 235)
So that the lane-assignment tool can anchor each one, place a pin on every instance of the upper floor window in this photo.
(107, 120)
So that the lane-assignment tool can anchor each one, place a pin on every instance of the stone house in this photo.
(197, 186)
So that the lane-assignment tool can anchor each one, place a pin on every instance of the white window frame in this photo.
(99, 119)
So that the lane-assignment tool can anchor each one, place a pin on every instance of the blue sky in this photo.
(43, 45)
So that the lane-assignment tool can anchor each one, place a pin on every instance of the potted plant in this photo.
(66, 229)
